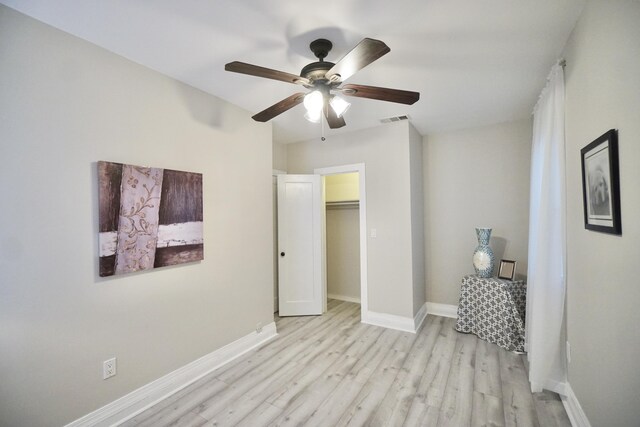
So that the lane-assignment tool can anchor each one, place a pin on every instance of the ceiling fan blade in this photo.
(279, 107)
(381, 93)
(334, 121)
(365, 52)
(267, 73)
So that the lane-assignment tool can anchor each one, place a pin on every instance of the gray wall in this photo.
(64, 105)
(603, 92)
(385, 152)
(474, 177)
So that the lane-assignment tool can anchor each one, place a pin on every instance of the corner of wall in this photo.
(279, 155)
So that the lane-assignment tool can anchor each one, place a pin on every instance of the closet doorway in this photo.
(342, 204)
(345, 233)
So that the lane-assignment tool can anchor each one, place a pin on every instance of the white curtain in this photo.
(546, 282)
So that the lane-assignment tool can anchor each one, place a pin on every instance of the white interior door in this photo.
(301, 276)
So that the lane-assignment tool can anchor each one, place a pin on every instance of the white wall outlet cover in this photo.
(374, 233)
(109, 368)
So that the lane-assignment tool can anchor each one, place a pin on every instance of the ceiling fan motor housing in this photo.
(316, 71)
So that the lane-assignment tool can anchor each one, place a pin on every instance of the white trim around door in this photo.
(360, 169)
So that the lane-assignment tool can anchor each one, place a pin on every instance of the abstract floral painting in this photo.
(149, 218)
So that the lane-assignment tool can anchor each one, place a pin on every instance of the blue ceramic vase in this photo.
(483, 259)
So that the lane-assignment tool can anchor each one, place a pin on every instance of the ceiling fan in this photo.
(322, 78)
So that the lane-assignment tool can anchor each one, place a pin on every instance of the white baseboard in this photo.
(576, 415)
(556, 387)
(343, 298)
(418, 319)
(148, 395)
(393, 321)
(390, 321)
(444, 310)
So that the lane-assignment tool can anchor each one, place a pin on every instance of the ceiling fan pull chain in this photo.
(322, 138)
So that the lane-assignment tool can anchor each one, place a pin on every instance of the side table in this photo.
(494, 310)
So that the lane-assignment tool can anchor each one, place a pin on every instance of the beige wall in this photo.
(417, 219)
(474, 177)
(279, 152)
(385, 152)
(343, 252)
(66, 104)
(603, 92)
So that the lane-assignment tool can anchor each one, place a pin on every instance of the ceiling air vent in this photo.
(394, 119)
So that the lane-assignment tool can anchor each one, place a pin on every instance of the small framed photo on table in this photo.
(507, 269)
(601, 184)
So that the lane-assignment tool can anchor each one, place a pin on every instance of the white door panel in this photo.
(301, 276)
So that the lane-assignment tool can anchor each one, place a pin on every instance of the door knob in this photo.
(281, 253)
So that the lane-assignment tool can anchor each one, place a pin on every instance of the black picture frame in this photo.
(601, 184)
(507, 269)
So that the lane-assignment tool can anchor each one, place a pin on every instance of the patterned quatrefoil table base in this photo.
(494, 310)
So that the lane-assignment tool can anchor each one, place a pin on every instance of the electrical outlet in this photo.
(568, 352)
(259, 327)
(109, 368)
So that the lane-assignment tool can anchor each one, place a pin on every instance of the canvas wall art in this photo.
(149, 218)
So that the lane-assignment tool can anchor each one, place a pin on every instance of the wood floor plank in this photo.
(375, 389)
(302, 408)
(284, 388)
(321, 368)
(487, 411)
(517, 401)
(261, 416)
(316, 329)
(394, 409)
(457, 403)
(181, 403)
(422, 414)
(337, 403)
(487, 370)
(429, 394)
(190, 420)
(550, 410)
(333, 370)
(253, 375)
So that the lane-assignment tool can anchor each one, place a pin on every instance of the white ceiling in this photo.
(473, 62)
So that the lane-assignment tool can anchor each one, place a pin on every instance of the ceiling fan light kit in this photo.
(322, 77)
(314, 101)
(339, 105)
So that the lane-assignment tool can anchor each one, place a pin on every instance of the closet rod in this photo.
(343, 204)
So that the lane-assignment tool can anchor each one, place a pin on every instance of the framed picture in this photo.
(601, 184)
(507, 269)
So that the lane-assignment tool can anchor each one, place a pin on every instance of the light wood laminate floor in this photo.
(332, 370)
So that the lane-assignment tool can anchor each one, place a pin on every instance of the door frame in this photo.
(360, 169)
(274, 210)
